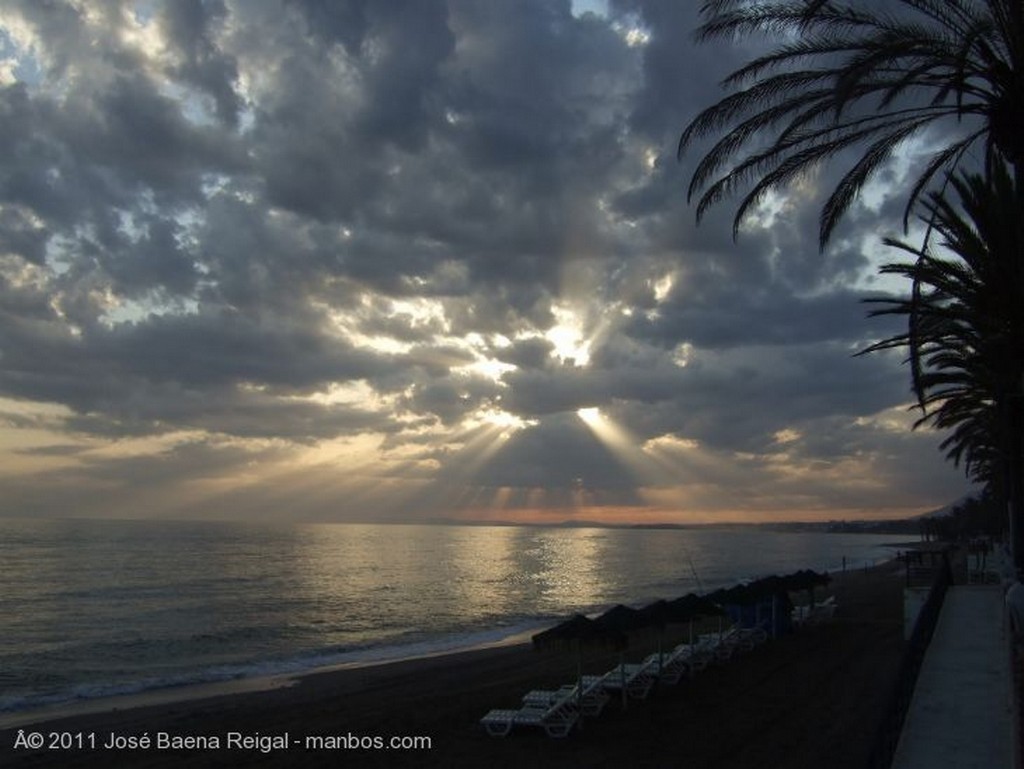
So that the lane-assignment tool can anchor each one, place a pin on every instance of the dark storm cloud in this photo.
(130, 128)
(142, 485)
(158, 260)
(559, 453)
(191, 29)
(451, 400)
(195, 460)
(217, 371)
(736, 400)
(527, 353)
(680, 77)
(215, 214)
(720, 314)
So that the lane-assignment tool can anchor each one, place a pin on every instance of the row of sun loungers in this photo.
(557, 719)
(735, 640)
(557, 711)
(590, 700)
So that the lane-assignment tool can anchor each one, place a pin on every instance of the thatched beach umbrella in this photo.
(575, 634)
(678, 611)
(746, 599)
(806, 579)
(773, 590)
(691, 606)
(622, 620)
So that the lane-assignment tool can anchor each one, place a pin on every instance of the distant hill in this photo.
(944, 512)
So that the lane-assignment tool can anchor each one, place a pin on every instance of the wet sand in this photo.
(807, 700)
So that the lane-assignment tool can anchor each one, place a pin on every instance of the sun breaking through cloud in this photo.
(366, 261)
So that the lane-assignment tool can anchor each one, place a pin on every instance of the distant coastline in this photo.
(910, 525)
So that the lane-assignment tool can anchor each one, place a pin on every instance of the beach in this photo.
(809, 699)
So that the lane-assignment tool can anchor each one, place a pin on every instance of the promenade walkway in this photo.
(960, 716)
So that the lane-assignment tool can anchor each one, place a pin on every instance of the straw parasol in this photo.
(678, 611)
(575, 634)
(623, 620)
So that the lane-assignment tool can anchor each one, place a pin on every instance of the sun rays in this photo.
(627, 448)
(567, 336)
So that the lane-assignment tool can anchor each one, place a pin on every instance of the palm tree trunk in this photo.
(1012, 480)
(1015, 406)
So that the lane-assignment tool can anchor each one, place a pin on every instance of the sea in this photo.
(95, 609)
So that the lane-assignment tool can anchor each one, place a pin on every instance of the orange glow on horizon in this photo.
(642, 516)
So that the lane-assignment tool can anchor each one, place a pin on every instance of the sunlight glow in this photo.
(634, 34)
(419, 313)
(682, 354)
(624, 446)
(348, 393)
(650, 158)
(568, 338)
(787, 436)
(7, 67)
(480, 443)
(899, 419)
(663, 287)
(489, 368)
(505, 420)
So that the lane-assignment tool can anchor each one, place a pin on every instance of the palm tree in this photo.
(848, 76)
(965, 330)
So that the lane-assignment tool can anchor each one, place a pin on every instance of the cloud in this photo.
(414, 248)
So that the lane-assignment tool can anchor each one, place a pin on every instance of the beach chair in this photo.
(556, 719)
(754, 636)
(702, 653)
(823, 612)
(633, 680)
(591, 700)
(746, 638)
(812, 615)
(719, 645)
(683, 660)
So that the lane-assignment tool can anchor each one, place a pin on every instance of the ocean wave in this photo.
(413, 647)
(84, 627)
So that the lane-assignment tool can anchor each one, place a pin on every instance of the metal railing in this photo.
(888, 736)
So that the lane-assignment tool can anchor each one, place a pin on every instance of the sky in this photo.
(343, 260)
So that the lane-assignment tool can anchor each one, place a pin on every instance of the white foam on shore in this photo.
(169, 695)
(166, 696)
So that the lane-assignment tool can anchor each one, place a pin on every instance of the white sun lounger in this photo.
(556, 719)
(719, 645)
(811, 615)
(824, 611)
(591, 700)
(746, 638)
(635, 679)
(683, 660)
(733, 640)
(702, 653)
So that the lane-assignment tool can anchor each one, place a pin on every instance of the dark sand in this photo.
(809, 700)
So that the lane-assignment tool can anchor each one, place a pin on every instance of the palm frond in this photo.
(946, 60)
(965, 317)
